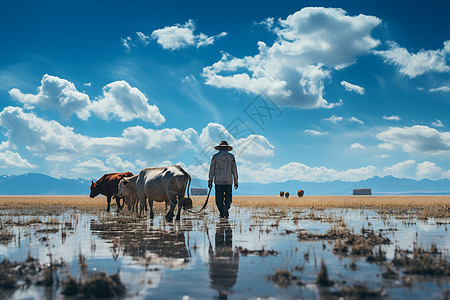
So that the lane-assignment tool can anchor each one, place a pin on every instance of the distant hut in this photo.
(286, 194)
(199, 192)
(281, 193)
(362, 191)
(300, 193)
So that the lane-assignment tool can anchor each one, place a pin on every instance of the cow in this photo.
(286, 194)
(300, 193)
(281, 194)
(108, 185)
(162, 184)
(127, 189)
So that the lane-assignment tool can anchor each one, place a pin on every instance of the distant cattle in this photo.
(362, 192)
(162, 184)
(300, 193)
(286, 194)
(108, 185)
(281, 194)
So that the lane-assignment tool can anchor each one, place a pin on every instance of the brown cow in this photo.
(108, 185)
(300, 193)
(281, 194)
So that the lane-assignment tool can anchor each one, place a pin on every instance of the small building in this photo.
(362, 191)
(199, 192)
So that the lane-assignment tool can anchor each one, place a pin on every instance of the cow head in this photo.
(122, 190)
(95, 190)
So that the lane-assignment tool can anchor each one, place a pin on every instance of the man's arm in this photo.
(235, 173)
(212, 169)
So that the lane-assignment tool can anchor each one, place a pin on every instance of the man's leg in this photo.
(220, 199)
(228, 199)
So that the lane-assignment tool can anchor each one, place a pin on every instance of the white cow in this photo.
(127, 188)
(162, 184)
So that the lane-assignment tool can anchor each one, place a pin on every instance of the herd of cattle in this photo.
(300, 193)
(164, 184)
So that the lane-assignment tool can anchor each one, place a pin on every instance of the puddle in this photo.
(256, 253)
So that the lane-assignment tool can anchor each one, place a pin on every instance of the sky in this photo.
(303, 90)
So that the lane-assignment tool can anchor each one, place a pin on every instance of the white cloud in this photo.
(126, 103)
(10, 159)
(400, 170)
(442, 89)
(419, 138)
(119, 100)
(353, 87)
(57, 95)
(111, 164)
(416, 64)
(386, 146)
(429, 170)
(382, 156)
(334, 119)
(311, 43)
(437, 123)
(53, 141)
(143, 38)
(357, 146)
(268, 23)
(180, 36)
(315, 132)
(353, 119)
(127, 43)
(392, 118)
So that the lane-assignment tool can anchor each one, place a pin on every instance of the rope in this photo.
(204, 205)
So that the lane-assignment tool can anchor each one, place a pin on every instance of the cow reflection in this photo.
(223, 261)
(148, 246)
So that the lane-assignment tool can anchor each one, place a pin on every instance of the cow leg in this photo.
(118, 203)
(173, 203)
(180, 205)
(150, 203)
(108, 200)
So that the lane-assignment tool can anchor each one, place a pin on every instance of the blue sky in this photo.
(305, 90)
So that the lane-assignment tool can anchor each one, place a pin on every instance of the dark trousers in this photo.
(223, 199)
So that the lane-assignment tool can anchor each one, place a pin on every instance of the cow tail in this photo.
(189, 184)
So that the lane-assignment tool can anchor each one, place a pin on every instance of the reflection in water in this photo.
(147, 246)
(223, 262)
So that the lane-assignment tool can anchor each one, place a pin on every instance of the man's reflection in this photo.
(223, 262)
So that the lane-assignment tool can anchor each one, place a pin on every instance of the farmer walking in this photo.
(222, 171)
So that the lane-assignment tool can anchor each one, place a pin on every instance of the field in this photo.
(315, 247)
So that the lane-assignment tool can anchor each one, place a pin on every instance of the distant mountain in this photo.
(40, 184)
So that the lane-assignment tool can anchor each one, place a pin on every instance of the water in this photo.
(202, 257)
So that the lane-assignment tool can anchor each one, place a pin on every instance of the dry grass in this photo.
(250, 201)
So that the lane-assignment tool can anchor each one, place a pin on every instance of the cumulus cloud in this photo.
(57, 95)
(437, 123)
(127, 43)
(10, 159)
(415, 64)
(419, 138)
(400, 170)
(316, 132)
(110, 165)
(353, 88)
(392, 118)
(334, 119)
(119, 100)
(61, 143)
(182, 35)
(353, 119)
(386, 146)
(311, 43)
(357, 146)
(126, 103)
(429, 170)
(442, 89)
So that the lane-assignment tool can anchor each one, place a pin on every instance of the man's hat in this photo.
(224, 146)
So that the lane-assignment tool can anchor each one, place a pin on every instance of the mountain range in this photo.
(40, 184)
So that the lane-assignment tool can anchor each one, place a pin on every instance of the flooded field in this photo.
(269, 248)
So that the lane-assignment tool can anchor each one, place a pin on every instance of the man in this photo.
(222, 171)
